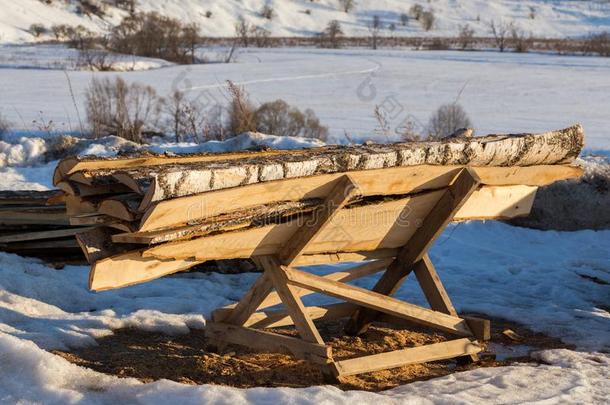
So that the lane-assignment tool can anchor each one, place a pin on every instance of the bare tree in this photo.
(500, 33)
(522, 42)
(347, 5)
(466, 37)
(242, 31)
(374, 28)
(331, 37)
(5, 125)
(446, 120)
(427, 20)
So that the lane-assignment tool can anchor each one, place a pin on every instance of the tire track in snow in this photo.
(293, 78)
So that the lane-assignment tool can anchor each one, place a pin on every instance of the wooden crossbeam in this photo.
(278, 318)
(412, 355)
(379, 302)
(291, 300)
(452, 199)
(354, 273)
(250, 302)
(341, 193)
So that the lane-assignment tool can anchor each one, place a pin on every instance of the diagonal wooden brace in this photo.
(460, 189)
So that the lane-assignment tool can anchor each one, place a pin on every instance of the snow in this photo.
(60, 57)
(540, 287)
(558, 18)
(500, 92)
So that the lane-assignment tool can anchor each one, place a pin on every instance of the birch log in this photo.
(162, 182)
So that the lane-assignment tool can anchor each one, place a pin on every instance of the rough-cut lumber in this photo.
(225, 222)
(122, 206)
(399, 180)
(159, 183)
(266, 341)
(26, 197)
(367, 227)
(131, 268)
(412, 355)
(40, 235)
(96, 244)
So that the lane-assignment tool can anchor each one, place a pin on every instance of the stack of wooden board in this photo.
(155, 215)
(35, 223)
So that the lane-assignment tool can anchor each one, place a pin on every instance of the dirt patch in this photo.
(188, 358)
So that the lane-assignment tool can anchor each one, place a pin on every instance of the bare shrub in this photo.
(128, 5)
(99, 60)
(187, 118)
(573, 204)
(279, 118)
(427, 20)
(500, 33)
(242, 113)
(91, 7)
(5, 125)
(521, 41)
(416, 11)
(121, 109)
(261, 37)
(156, 36)
(438, 44)
(81, 38)
(374, 27)
(446, 120)
(242, 31)
(59, 147)
(532, 14)
(267, 12)
(466, 37)
(598, 44)
(332, 35)
(347, 5)
(208, 14)
(37, 30)
(61, 31)
(275, 117)
(404, 19)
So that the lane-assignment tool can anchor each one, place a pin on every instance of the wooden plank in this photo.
(250, 301)
(387, 225)
(52, 216)
(396, 180)
(40, 245)
(446, 207)
(338, 257)
(269, 342)
(481, 328)
(412, 355)
(131, 268)
(379, 302)
(58, 233)
(279, 318)
(342, 192)
(291, 300)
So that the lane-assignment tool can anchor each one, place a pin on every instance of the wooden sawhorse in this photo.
(283, 283)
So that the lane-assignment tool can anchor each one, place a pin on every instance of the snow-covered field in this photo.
(543, 18)
(532, 277)
(500, 92)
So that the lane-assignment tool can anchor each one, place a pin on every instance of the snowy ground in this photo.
(500, 92)
(551, 18)
(60, 57)
(532, 277)
(529, 276)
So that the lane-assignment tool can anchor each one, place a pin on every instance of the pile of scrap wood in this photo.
(154, 214)
(35, 223)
